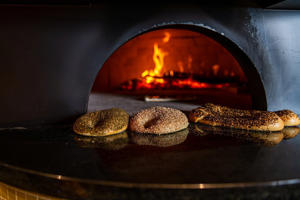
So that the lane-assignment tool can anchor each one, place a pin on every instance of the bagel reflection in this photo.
(268, 138)
(112, 142)
(261, 137)
(290, 132)
(167, 140)
(198, 130)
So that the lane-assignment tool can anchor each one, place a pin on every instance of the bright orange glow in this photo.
(155, 79)
(167, 37)
(158, 59)
(215, 69)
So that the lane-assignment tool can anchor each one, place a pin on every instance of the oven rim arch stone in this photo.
(255, 84)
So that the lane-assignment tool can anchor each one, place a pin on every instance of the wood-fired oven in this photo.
(60, 59)
(52, 53)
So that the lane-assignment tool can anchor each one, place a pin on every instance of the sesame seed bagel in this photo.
(102, 123)
(158, 120)
(212, 115)
(288, 117)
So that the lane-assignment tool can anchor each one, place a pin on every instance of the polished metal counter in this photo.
(194, 162)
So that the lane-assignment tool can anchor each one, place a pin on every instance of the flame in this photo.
(167, 37)
(180, 65)
(171, 73)
(153, 79)
(215, 69)
(158, 59)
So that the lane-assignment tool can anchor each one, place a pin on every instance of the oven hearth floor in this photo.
(99, 101)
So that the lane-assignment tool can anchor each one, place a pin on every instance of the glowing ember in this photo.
(172, 80)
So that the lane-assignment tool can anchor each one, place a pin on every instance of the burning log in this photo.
(179, 80)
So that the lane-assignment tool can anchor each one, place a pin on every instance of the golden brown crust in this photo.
(102, 123)
(212, 115)
(288, 117)
(158, 120)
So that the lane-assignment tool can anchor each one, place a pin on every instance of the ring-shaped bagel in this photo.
(102, 123)
(158, 120)
(288, 117)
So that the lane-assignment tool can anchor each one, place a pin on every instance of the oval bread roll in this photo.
(102, 123)
(288, 117)
(215, 115)
(158, 120)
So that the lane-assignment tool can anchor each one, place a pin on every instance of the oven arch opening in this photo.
(206, 63)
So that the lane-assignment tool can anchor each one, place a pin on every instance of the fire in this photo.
(158, 59)
(156, 79)
(167, 37)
